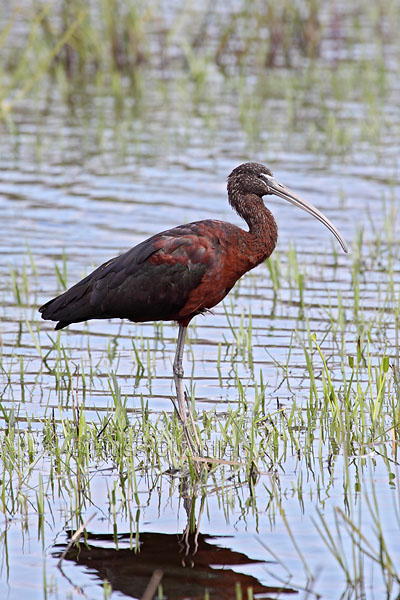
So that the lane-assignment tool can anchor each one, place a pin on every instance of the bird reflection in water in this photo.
(190, 564)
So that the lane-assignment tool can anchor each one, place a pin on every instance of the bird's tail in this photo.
(69, 307)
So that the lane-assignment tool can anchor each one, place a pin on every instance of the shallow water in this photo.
(97, 181)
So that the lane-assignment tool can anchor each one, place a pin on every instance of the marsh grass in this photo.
(118, 48)
(86, 42)
(349, 417)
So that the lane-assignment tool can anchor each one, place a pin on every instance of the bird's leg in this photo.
(180, 345)
(181, 396)
(178, 372)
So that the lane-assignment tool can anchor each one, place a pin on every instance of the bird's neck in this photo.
(263, 230)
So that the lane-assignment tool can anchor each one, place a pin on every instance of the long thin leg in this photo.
(181, 396)
(178, 372)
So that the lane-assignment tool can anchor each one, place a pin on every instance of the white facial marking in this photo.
(268, 177)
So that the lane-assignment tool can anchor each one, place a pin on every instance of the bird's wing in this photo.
(152, 281)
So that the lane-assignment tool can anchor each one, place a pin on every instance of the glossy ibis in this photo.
(185, 271)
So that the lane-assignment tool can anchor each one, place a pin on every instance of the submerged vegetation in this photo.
(110, 112)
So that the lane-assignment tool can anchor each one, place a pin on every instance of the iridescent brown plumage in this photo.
(184, 271)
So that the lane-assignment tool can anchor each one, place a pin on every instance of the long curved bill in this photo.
(283, 192)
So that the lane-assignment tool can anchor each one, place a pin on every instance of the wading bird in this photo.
(185, 271)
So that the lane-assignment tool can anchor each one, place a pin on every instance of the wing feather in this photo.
(151, 281)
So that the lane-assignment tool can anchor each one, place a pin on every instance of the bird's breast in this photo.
(228, 255)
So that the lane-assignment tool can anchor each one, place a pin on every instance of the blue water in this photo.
(94, 184)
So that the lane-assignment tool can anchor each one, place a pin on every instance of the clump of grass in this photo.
(111, 45)
(349, 544)
(242, 332)
(20, 84)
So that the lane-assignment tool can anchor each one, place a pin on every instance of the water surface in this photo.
(80, 186)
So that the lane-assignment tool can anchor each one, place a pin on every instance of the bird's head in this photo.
(256, 179)
(250, 178)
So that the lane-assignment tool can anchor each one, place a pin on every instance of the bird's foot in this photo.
(206, 311)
